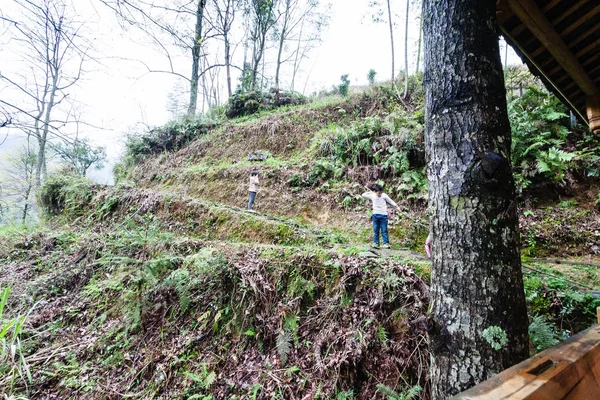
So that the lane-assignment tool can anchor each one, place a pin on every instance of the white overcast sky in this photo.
(121, 97)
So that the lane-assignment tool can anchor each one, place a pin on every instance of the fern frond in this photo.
(284, 345)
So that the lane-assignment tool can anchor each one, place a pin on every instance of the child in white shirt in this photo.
(380, 215)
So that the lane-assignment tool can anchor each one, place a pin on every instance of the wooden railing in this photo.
(567, 371)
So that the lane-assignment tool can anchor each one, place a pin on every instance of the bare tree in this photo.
(222, 16)
(300, 22)
(377, 17)
(263, 19)
(177, 26)
(18, 174)
(419, 41)
(54, 50)
(406, 49)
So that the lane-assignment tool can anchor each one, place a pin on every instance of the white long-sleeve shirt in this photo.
(380, 203)
(253, 186)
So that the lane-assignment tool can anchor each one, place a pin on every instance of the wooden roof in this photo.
(560, 42)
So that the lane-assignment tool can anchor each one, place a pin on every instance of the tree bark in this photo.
(476, 280)
(196, 59)
(389, 7)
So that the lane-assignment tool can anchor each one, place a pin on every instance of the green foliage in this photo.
(347, 395)
(407, 394)
(393, 143)
(555, 301)
(171, 137)
(66, 193)
(201, 382)
(247, 103)
(542, 333)
(371, 76)
(14, 367)
(539, 134)
(495, 336)
(284, 344)
(81, 155)
(344, 86)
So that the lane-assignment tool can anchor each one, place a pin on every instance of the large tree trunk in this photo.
(389, 7)
(476, 280)
(196, 59)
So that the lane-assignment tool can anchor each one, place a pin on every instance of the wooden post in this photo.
(598, 314)
(593, 112)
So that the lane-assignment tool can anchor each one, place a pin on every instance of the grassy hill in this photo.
(162, 286)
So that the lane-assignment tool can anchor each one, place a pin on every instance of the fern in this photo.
(284, 345)
(409, 394)
(205, 379)
(542, 334)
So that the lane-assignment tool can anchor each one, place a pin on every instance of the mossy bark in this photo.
(476, 267)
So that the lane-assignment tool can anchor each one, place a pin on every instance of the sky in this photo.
(117, 96)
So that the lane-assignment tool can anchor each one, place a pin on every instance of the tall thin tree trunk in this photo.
(282, 38)
(406, 49)
(389, 7)
(419, 44)
(26, 199)
(228, 63)
(41, 171)
(297, 58)
(196, 59)
(476, 281)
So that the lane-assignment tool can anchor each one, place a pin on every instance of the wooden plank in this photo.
(529, 13)
(589, 15)
(575, 42)
(559, 373)
(572, 8)
(584, 36)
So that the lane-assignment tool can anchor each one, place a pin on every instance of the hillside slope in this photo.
(164, 287)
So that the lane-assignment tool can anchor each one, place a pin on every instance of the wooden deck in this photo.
(568, 371)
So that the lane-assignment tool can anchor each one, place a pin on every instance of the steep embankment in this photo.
(164, 287)
(128, 303)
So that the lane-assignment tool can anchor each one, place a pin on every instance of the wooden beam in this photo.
(529, 13)
(569, 371)
(519, 29)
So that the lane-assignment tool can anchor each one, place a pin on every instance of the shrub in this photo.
(393, 143)
(371, 76)
(171, 137)
(344, 87)
(247, 103)
(66, 193)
